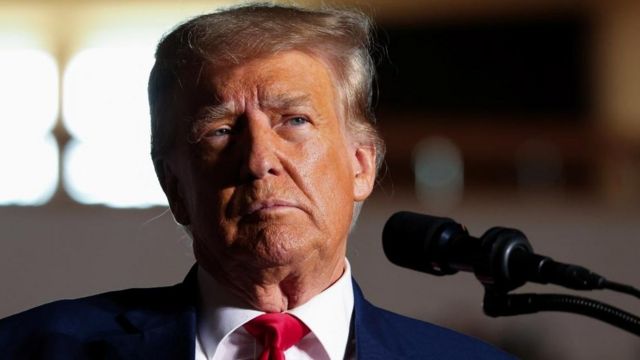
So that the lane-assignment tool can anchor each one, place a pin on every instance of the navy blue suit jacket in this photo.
(160, 323)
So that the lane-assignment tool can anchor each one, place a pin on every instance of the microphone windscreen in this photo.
(408, 239)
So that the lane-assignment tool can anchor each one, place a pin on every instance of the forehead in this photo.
(287, 77)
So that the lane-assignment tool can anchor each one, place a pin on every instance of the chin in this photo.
(282, 251)
(256, 247)
(278, 246)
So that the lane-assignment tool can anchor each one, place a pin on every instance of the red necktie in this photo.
(277, 332)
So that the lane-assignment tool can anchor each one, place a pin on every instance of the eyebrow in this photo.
(211, 113)
(226, 109)
(285, 101)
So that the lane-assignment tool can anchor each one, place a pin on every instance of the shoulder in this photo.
(396, 336)
(68, 324)
(76, 314)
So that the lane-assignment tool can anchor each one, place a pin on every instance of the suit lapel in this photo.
(371, 338)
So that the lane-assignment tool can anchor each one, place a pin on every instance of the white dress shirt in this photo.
(221, 336)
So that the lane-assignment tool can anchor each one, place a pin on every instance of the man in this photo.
(263, 141)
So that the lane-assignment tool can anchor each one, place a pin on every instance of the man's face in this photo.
(269, 176)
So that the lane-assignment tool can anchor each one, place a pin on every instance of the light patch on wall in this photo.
(109, 173)
(28, 111)
(105, 110)
(439, 173)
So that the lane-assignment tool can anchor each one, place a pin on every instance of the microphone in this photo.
(502, 258)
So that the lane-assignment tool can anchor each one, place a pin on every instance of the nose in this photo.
(260, 150)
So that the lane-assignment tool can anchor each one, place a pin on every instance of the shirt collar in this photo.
(332, 331)
(221, 313)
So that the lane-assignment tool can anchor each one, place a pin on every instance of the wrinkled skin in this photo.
(268, 179)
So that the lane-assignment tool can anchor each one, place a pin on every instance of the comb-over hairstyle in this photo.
(340, 38)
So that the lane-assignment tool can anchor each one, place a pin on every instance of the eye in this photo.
(222, 131)
(297, 121)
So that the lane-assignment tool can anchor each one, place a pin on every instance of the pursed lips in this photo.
(269, 205)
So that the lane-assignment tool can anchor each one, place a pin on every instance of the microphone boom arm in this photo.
(502, 304)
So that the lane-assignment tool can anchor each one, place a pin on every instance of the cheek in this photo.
(208, 205)
(330, 180)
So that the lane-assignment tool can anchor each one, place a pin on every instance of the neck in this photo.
(280, 288)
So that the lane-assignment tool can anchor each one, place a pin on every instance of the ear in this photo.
(364, 170)
(172, 189)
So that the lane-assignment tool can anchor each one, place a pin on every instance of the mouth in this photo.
(270, 206)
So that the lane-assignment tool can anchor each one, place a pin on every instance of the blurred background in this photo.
(520, 114)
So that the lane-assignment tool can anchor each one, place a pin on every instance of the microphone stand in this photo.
(500, 303)
(510, 263)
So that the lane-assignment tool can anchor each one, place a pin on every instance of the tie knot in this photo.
(277, 332)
